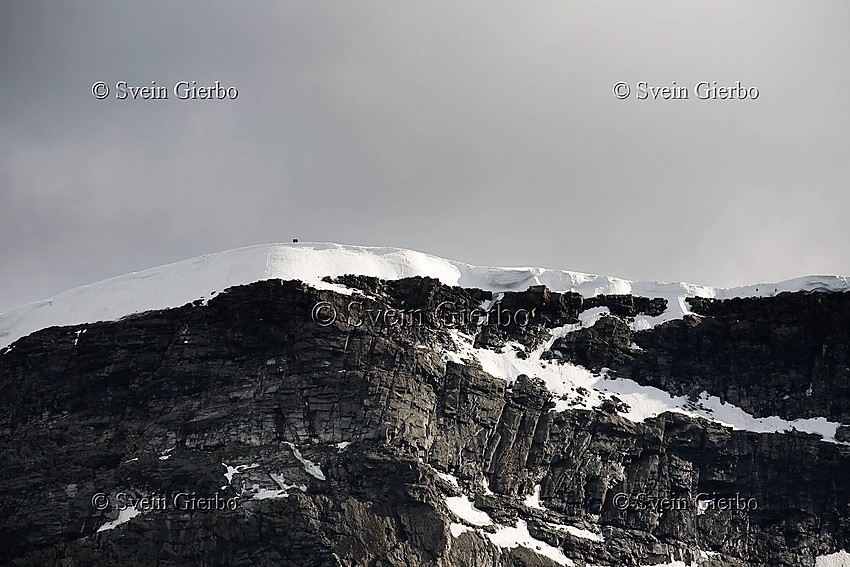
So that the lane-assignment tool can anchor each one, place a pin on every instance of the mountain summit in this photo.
(176, 284)
(329, 405)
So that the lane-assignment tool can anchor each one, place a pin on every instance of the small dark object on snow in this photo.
(295, 241)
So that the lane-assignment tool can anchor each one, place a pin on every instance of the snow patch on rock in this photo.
(589, 317)
(463, 508)
(533, 499)
(231, 471)
(124, 516)
(837, 559)
(578, 532)
(510, 537)
(310, 467)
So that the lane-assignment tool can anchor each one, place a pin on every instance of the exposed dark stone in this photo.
(527, 316)
(628, 305)
(153, 404)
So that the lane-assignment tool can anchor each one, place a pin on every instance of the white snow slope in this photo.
(176, 284)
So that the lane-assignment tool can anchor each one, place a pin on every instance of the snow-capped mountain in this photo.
(176, 284)
(619, 423)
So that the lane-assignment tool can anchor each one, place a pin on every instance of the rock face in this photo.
(281, 425)
(788, 355)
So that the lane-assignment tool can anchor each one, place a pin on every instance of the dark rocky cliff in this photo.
(255, 430)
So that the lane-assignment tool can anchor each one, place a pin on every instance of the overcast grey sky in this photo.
(482, 131)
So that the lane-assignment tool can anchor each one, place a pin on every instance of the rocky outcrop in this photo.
(787, 355)
(281, 425)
